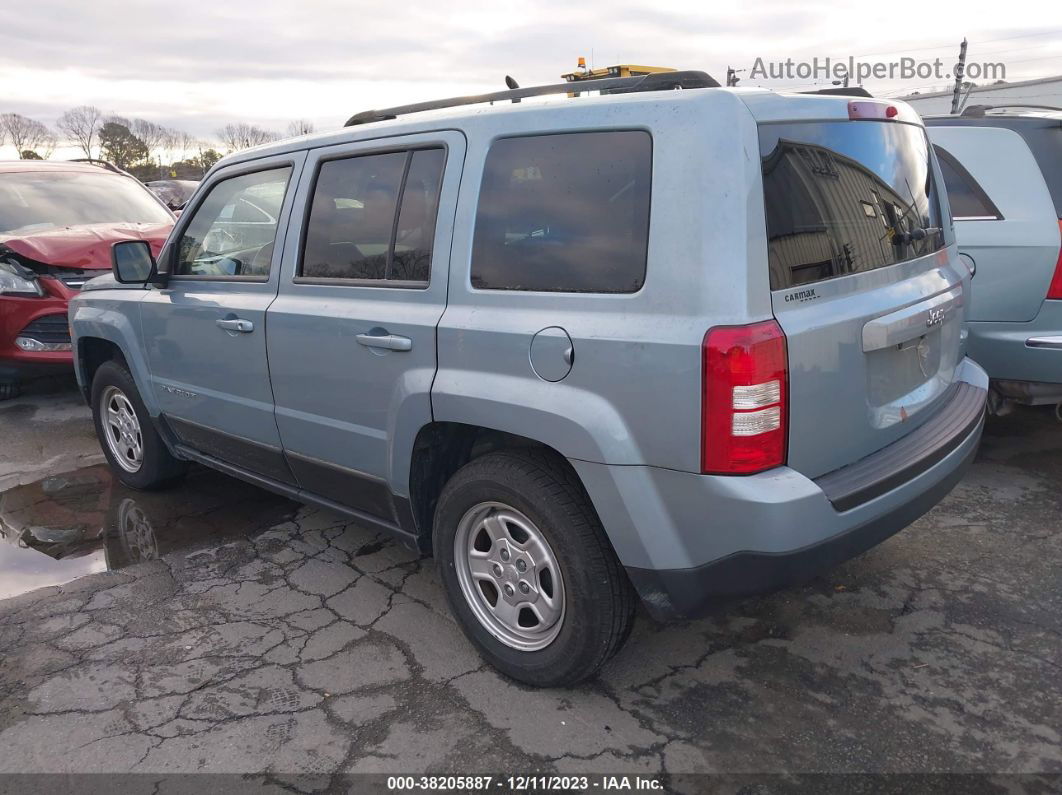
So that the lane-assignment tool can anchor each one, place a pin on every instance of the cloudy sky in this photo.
(197, 64)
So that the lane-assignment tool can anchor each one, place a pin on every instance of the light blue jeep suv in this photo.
(640, 342)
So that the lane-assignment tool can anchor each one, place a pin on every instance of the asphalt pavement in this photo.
(217, 628)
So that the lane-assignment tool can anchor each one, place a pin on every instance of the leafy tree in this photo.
(207, 158)
(120, 146)
(82, 125)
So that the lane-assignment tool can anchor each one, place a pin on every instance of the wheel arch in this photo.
(92, 352)
(442, 448)
(110, 331)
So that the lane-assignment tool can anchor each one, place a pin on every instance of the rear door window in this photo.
(372, 219)
(967, 198)
(846, 197)
(564, 213)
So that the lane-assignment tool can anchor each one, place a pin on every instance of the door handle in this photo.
(236, 324)
(391, 342)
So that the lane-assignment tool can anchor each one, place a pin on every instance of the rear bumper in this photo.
(1027, 352)
(688, 541)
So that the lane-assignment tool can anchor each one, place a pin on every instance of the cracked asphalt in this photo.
(222, 629)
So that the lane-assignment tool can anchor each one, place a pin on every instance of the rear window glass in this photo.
(965, 195)
(1046, 145)
(846, 197)
(564, 213)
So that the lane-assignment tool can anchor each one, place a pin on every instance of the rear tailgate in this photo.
(870, 297)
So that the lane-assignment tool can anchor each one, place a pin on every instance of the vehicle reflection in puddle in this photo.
(66, 526)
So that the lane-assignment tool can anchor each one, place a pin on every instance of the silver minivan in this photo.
(1002, 171)
(632, 342)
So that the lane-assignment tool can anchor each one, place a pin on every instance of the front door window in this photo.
(233, 229)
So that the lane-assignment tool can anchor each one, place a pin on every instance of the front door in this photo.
(352, 332)
(205, 331)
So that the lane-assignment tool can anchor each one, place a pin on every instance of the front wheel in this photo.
(528, 571)
(133, 447)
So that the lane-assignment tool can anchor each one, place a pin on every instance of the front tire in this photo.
(10, 391)
(528, 571)
(135, 451)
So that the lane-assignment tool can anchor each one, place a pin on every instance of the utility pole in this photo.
(960, 71)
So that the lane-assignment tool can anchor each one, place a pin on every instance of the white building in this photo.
(1045, 91)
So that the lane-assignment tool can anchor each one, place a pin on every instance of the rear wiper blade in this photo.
(916, 234)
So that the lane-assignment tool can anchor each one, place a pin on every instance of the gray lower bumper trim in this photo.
(852, 485)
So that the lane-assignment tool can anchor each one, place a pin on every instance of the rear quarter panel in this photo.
(633, 394)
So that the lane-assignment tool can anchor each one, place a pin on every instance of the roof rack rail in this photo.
(978, 111)
(101, 163)
(658, 81)
(843, 91)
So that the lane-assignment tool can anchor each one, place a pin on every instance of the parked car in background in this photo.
(1003, 172)
(57, 223)
(580, 350)
(174, 193)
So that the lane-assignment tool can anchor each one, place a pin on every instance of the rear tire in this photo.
(503, 522)
(10, 391)
(135, 451)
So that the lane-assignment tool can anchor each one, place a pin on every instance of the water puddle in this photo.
(65, 526)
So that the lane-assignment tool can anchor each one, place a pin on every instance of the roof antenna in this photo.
(512, 84)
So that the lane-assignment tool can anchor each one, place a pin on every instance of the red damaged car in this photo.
(57, 223)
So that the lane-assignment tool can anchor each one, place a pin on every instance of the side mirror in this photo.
(131, 262)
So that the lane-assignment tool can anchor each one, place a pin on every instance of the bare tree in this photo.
(154, 136)
(82, 124)
(300, 127)
(183, 143)
(26, 135)
(47, 145)
(243, 136)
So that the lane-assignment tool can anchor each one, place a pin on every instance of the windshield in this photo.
(38, 200)
(846, 197)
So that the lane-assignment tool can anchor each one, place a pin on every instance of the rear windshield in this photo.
(846, 197)
(39, 200)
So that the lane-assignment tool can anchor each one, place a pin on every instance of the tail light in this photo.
(744, 399)
(1054, 292)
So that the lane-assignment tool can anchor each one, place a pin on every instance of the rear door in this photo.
(205, 331)
(352, 333)
(864, 285)
(1004, 218)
